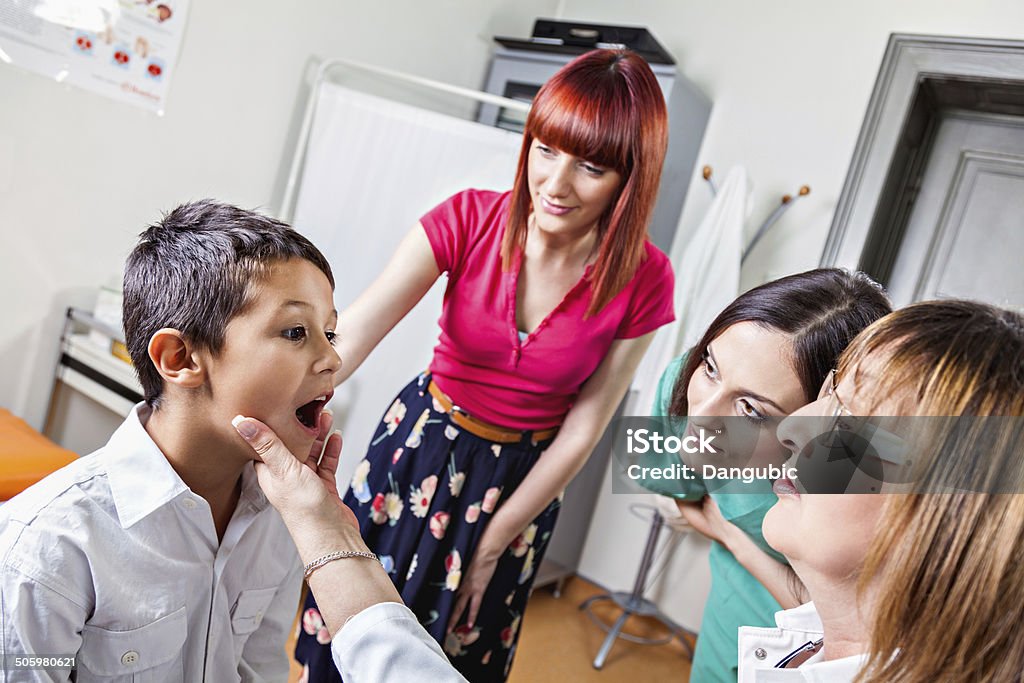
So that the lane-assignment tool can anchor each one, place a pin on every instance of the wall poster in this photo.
(124, 49)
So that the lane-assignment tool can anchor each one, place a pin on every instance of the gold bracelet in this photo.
(337, 555)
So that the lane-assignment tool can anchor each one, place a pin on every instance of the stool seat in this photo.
(26, 456)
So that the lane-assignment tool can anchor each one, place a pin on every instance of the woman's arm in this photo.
(580, 432)
(555, 468)
(375, 637)
(407, 277)
(306, 496)
(780, 579)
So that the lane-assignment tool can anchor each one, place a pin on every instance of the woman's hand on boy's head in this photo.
(302, 492)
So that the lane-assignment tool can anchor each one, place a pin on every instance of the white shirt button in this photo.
(189, 503)
(760, 653)
(130, 657)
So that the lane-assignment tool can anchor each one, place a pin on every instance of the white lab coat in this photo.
(385, 642)
(708, 264)
(762, 648)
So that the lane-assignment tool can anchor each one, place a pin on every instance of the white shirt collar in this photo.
(802, 618)
(816, 670)
(142, 480)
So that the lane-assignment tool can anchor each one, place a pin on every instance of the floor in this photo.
(558, 643)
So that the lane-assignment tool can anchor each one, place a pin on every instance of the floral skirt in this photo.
(423, 495)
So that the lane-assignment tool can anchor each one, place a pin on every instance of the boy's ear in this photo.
(172, 355)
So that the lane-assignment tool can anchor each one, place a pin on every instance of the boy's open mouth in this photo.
(309, 413)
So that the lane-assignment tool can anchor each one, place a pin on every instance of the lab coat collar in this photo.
(141, 478)
(816, 670)
(801, 623)
(802, 618)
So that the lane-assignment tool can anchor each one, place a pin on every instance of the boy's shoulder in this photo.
(122, 480)
(60, 490)
(46, 529)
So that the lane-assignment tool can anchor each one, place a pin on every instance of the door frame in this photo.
(894, 140)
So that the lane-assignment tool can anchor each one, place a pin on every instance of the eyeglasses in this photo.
(839, 416)
(800, 655)
(844, 427)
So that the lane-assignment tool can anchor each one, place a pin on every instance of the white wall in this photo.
(790, 84)
(81, 175)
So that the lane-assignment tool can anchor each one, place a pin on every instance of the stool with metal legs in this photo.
(635, 603)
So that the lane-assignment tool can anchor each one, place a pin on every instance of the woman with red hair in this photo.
(554, 292)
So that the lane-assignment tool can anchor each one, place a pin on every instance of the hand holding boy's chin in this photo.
(303, 447)
(303, 491)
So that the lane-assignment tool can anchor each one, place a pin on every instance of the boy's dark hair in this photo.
(194, 271)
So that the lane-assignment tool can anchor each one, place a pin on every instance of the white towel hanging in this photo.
(707, 272)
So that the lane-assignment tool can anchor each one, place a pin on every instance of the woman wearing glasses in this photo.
(763, 357)
(927, 584)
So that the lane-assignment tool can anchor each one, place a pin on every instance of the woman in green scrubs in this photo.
(763, 357)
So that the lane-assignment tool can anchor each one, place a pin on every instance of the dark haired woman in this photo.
(554, 293)
(763, 357)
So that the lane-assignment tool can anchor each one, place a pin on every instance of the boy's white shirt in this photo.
(794, 628)
(115, 560)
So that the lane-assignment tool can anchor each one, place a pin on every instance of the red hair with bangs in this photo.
(605, 106)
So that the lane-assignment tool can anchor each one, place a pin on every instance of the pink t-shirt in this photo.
(479, 360)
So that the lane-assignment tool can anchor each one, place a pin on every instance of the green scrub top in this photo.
(736, 598)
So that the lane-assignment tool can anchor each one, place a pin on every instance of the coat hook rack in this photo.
(787, 201)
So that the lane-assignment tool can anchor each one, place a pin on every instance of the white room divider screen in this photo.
(372, 167)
